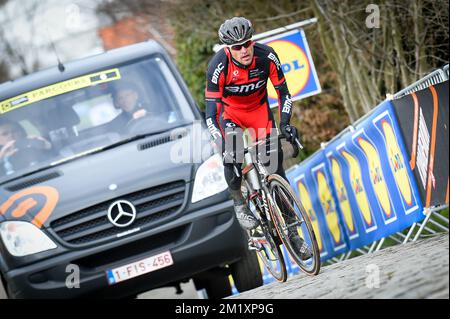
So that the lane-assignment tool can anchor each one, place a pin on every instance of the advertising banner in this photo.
(377, 192)
(360, 188)
(312, 183)
(298, 67)
(424, 119)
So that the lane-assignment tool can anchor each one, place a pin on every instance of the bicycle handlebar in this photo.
(247, 149)
(289, 130)
(297, 141)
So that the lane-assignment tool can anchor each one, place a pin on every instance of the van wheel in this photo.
(246, 272)
(3, 288)
(217, 287)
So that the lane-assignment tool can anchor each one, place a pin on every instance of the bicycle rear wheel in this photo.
(290, 216)
(272, 258)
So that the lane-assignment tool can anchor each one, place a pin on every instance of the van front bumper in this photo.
(204, 239)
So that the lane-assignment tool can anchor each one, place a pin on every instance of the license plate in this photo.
(139, 268)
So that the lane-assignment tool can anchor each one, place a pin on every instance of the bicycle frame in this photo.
(257, 176)
(257, 184)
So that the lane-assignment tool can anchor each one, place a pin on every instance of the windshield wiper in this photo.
(97, 150)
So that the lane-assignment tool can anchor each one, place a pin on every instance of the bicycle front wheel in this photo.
(290, 218)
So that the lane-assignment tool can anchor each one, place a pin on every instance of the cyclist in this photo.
(236, 98)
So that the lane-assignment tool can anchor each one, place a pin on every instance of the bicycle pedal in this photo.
(254, 248)
(255, 245)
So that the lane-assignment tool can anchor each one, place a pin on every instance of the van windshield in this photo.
(66, 119)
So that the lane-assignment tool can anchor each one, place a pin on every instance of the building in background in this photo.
(33, 33)
(132, 30)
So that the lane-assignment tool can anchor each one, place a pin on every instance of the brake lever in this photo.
(299, 144)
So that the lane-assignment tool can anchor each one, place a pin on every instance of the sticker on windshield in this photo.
(58, 89)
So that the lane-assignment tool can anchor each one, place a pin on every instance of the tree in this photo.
(4, 74)
(16, 55)
(412, 40)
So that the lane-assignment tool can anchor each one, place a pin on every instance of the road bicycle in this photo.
(280, 213)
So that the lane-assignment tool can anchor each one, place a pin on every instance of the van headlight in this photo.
(209, 179)
(23, 238)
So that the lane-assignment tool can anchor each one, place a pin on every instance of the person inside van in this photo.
(127, 98)
(13, 138)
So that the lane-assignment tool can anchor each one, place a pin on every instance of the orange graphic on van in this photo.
(19, 204)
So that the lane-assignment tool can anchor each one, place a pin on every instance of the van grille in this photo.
(91, 225)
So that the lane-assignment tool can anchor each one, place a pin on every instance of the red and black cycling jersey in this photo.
(237, 92)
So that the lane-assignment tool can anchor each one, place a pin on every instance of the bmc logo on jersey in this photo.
(216, 74)
(275, 60)
(246, 88)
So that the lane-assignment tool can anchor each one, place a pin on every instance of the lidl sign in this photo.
(298, 66)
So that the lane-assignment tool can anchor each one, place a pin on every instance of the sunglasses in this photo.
(238, 47)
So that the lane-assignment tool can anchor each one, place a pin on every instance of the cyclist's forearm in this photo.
(285, 104)
(211, 121)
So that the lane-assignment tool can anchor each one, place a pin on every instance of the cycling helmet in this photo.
(235, 30)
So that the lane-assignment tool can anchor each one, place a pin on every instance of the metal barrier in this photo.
(437, 76)
(433, 224)
(433, 78)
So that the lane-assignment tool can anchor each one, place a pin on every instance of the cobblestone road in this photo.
(414, 270)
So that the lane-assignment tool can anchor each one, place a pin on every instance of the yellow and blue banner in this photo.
(297, 64)
(312, 181)
(360, 186)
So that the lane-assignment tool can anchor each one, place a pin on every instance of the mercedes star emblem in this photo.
(121, 213)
